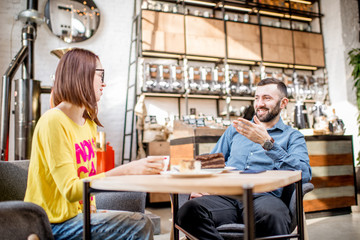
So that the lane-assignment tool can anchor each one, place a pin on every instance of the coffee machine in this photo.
(300, 114)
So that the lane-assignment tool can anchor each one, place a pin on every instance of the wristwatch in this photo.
(268, 144)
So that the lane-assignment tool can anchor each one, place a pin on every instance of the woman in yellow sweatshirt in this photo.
(63, 153)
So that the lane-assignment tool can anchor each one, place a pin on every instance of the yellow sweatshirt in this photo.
(62, 154)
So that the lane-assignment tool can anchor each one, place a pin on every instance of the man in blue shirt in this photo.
(265, 143)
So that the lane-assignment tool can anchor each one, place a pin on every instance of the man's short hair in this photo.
(280, 85)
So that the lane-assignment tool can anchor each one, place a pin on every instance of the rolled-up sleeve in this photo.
(295, 157)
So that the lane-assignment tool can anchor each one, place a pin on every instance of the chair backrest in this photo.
(126, 201)
(20, 219)
(306, 187)
(13, 179)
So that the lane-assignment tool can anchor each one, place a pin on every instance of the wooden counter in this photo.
(333, 173)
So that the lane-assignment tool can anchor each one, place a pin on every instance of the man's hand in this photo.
(253, 131)
(196, 195)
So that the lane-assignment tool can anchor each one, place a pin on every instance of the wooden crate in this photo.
(161, 148)
(163, 32)
(243, 41)
(277, 45)
(331, 160)
(205, 37)
(309, 49)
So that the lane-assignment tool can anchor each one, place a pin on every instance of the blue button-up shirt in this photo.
(288, 153)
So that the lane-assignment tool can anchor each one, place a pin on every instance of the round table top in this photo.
(231, 183)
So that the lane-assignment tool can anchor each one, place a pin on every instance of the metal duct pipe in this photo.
(26, 90)
(25, 120)
(32, 4)
(27, 112)
(6, 100)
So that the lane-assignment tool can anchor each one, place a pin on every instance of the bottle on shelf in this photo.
(336, 125)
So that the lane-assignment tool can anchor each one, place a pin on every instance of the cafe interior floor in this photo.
(320, 226)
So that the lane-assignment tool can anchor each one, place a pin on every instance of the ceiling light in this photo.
(202, 96)
(161, 94)
(301, 18)
(158, 54)
(241, 61)
(271, 13)
(238, 8)
(200, 2)
(301, 1)
(268, 64)
(203, 58)
(305, 67)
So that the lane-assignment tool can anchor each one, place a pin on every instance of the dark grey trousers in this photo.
(201, 216)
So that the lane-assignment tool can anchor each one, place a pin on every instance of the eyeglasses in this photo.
(102, 75)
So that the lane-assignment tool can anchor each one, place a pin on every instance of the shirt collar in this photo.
(279, 125)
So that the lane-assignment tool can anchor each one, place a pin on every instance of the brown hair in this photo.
(74, 81)
(280, 85)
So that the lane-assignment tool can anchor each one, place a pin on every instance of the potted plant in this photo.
(354, 56)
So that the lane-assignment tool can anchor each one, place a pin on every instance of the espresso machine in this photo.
(300, 115)
(163, 78)
(318, 93)
(234, 82)
(149, 81)
(216, 86)
(175, 81)
(205, 85)
(193, 85)
(244, 84)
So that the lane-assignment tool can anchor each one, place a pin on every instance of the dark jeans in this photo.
(201, 216)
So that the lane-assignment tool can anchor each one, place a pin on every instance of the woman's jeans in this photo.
(107, 225)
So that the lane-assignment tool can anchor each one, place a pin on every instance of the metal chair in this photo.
(19, 219)
(235, 230)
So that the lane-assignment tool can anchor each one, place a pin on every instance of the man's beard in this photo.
(271, 113)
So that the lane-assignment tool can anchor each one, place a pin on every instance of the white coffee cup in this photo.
(165, 161)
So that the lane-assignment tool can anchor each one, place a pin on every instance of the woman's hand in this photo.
(144, 166)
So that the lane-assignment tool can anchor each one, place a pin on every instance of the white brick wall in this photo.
(111, 42)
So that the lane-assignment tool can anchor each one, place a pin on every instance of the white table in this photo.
(233, 183)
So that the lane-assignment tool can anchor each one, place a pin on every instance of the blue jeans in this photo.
(107, 225)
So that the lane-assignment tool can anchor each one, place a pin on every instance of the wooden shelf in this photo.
(250, 7)
(154, 54)
(204, 96)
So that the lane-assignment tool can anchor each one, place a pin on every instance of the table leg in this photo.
(248, 201)
(175, 206)
(86, 202)
(299, 209)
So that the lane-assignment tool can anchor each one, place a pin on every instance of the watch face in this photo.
(268, 145)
